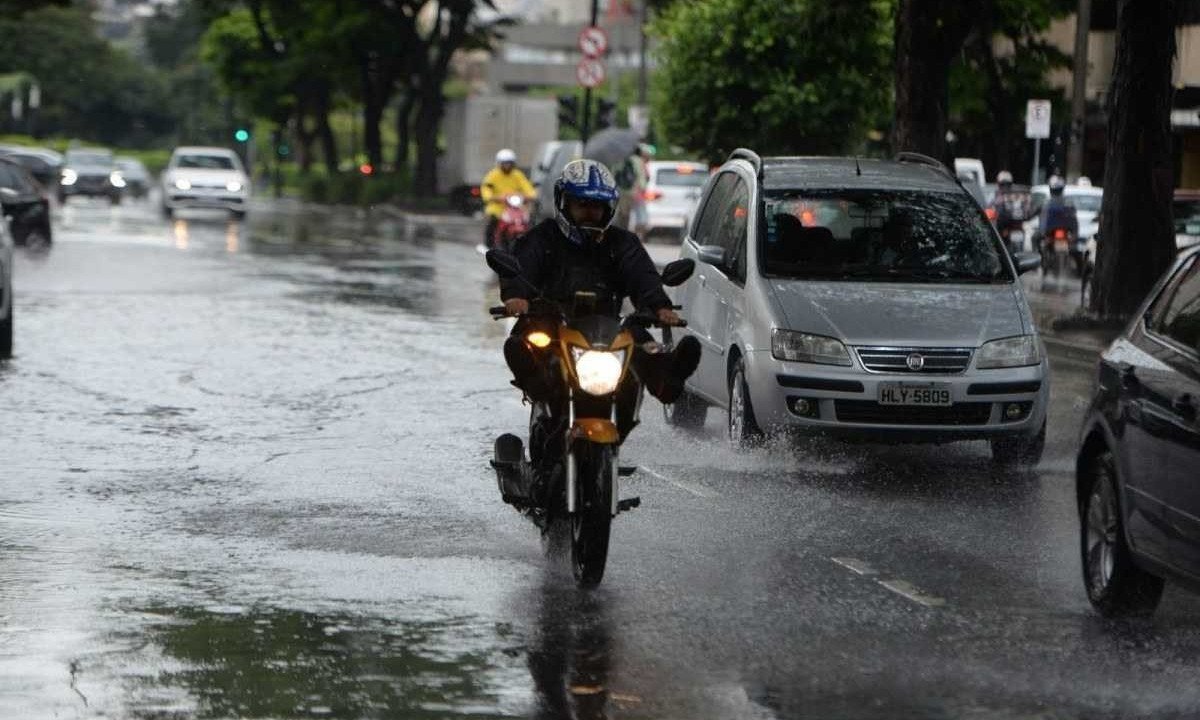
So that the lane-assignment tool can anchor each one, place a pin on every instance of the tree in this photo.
(929, 34)
(803, 76)
(1137, 239)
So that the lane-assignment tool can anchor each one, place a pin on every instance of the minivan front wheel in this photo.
(1116, 586)
(743, 430)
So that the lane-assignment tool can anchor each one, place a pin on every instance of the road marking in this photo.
(856, 566)
(910, 592)
(684, 485)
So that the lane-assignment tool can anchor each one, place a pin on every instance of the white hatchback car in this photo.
(671, 195)
(205, 177)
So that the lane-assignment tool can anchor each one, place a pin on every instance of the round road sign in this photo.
(593, 41)
(590, 72)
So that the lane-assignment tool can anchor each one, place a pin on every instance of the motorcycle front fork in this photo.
(572, 479)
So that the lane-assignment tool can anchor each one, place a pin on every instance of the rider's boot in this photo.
(511, 471)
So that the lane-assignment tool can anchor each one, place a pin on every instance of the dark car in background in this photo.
(24, 200)
(1138, 467)
(43, 163)
(136, 176)
(90, 172)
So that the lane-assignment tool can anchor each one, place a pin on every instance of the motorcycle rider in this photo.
(1012, 208)
(501, 181)
(1057, 213)
(579, 249)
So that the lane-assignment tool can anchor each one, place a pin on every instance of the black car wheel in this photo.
(1020, 450)
(743, 430)
(1116, 586)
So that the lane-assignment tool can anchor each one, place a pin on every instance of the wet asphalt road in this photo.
(243, 473)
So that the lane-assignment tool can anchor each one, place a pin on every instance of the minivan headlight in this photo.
(804, 347)
(599, 371)
(1009, 352)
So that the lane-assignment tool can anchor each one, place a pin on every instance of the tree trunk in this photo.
(1137, 238)
(429, 117)
(404, 130)
(929, 33)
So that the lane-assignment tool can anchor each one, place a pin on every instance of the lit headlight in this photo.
(1009, 352)
(183, 184)
(69, 177)
(233, 186)
(116, 179)
(803, 347)
(599, 371)
(516, 201)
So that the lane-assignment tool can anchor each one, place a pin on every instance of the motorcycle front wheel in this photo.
(592, 521)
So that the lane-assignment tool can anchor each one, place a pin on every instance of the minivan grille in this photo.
(867, 411)
(934, 360)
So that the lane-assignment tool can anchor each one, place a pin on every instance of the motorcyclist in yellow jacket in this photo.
(502, 181)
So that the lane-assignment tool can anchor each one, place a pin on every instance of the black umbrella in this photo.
(612, 146)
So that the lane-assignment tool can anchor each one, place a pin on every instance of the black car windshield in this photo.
(207, 162)
(879, 236)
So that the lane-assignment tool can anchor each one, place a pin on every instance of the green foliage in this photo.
(780, 76)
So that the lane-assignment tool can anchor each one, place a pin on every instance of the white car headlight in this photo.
(69, 176)
(233, 186)
(116, 179)
(803, 347)
(1009, 352)
(183, 184)
(599, 371)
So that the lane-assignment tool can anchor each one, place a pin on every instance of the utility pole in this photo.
(641, 85)
(1083, 21)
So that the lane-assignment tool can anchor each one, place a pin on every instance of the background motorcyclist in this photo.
(501, 181)
(1012, 208)
(579, 249)
(1057, 213)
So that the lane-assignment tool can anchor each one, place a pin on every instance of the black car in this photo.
(44, 164)
(90, 172)
(1138, 468)
(24, 200)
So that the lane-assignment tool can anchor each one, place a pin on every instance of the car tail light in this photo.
(475, 191)
(991, 214)
(652, 195)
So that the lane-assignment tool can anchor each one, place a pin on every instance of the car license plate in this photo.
(926, 394)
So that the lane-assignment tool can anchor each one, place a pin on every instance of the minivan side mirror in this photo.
(1027, 261)
(714, 255)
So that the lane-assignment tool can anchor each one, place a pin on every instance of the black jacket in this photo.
(614, 268)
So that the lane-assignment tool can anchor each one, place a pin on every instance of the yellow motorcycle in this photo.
(569, 484)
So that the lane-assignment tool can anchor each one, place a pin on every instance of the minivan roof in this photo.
(812, 173)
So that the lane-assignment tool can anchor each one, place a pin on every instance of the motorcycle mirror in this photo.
(503, 263)
(678, 271)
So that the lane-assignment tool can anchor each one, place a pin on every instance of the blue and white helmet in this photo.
(585, 180)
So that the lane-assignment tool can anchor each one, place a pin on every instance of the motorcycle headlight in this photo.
(516, 201)
(599, 371)
(1009, 352)
(803, 347)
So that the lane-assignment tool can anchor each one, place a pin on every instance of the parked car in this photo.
(43, 163)
(1087, 200)
(671, 195)
(1136, 470)
(6, 292)
(136, 176)
(205, 177)
(858, 298)
(90, 172)
(26, 202)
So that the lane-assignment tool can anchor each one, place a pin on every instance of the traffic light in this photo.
(606, 114)
(568, 110)
(241, 134)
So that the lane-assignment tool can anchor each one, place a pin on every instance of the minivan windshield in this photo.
(879, 236)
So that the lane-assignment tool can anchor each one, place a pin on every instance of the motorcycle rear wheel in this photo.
(592, 522)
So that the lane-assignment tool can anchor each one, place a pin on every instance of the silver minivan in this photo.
(859, 298)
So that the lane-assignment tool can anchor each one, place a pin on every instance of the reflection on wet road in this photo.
(245, 475)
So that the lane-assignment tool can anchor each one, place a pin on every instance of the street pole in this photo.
(1083, 21)
(1037, 160)
(641, 87)
(586, 130)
